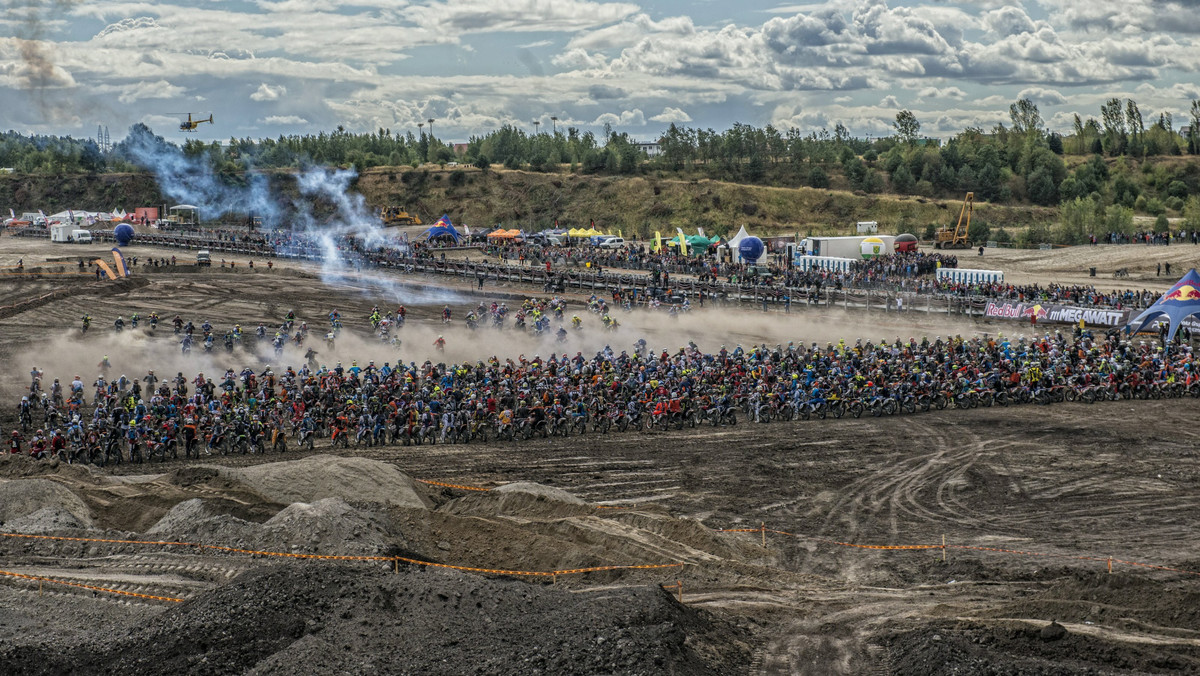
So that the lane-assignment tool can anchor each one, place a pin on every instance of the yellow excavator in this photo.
(956, 238)
(397, 216)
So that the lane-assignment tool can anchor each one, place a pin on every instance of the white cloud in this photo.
(283, 120)
(266, 92)
(1042, 96)
(942, 93)
(475, 16)
(670, 114)
(889, 101)
(628, 118)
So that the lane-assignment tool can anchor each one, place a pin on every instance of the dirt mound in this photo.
(324, 618)
(329, 526)
(333, 525)
(1019, 649)
(521, 499)
(46, 520)
(23, 497)
(196, 520)
(325, 476)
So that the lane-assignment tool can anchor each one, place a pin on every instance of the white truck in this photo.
(81, 236)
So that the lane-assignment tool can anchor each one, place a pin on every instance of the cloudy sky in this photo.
(269, 67)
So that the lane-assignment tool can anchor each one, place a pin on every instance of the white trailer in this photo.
(846, 247)
(968, 276)
(61, 232)
(830, 263)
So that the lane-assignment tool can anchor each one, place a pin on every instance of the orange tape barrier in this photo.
(763, 530)
(334, 557)
(461, 488)
(106, 590)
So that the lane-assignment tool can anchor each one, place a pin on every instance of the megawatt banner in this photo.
(1056, 314)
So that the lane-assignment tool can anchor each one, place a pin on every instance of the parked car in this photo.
(612, 243)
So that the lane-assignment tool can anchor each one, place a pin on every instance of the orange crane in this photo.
(947, 238)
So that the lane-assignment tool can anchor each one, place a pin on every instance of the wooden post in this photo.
(1110, 565)
(39, 587)
(943, 547)
(395, 565)
(554, 578)
(762, 528)
(679, 587)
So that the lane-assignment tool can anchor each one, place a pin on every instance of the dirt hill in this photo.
(521, 199)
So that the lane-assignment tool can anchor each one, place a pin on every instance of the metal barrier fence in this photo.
(770, 297)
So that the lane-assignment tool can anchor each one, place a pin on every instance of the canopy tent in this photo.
(442, 228)
(504, 234)
(1176, 305)
(442, 231)
(734, 241)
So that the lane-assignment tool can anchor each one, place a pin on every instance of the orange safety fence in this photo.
(763, 530)
(335, 557)
(107, 590)
(460, 487)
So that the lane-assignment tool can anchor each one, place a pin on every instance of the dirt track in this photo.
(1066, 481)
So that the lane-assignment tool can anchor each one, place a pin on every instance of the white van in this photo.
(612, 243)
(81, 237)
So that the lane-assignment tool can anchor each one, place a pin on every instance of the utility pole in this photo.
(430, 147)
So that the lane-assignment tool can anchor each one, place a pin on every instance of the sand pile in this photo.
(324, 476)
(330, 618)
(328, 526)
(25, 497)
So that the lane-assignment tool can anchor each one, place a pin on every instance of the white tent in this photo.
(737, 239)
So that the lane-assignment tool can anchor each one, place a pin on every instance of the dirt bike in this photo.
(279, 441)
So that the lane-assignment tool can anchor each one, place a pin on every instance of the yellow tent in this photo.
(592, 232)
(577, 232)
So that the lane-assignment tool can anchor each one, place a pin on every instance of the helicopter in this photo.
(191, 124)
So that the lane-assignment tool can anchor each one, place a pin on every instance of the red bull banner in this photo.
(1181, 292)
(1056, 314)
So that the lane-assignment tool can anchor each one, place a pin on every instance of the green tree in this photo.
(1078, 219)
(907, 127)
(1118, 218)
(1115, 135)
(818, 177)
(902, 180)
(1191, 213)
(1194, 128)
(1041, 188)
(872, 182)
(1026, 118)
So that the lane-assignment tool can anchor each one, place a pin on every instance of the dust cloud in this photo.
(134, 352)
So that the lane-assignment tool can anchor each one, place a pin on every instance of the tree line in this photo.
(1113, 160)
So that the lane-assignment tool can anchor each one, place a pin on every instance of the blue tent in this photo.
(1181, 302)
(443, 228)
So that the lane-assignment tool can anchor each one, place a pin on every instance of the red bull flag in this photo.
(120, 261)
(1176, 305)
